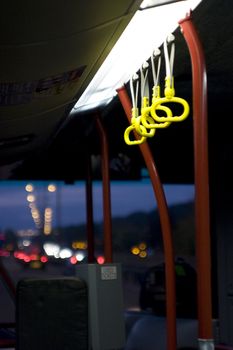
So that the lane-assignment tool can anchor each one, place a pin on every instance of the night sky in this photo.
(70, 209)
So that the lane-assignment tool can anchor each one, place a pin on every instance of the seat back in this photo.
(51, 314)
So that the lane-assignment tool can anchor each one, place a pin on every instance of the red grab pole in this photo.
(202, 216)
(165, 226)
(106, 193)
(89, 213)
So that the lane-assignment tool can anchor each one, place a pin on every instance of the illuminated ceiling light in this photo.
(152, 3)
(29, 188)
(146, 32)
(52, 188)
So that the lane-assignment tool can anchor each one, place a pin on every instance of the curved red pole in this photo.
(202, 216)
(165, 226)
(106, 193)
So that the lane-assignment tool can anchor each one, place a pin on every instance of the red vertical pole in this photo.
(165, 226)
(106, 193)
(202, 216)
(89, 213)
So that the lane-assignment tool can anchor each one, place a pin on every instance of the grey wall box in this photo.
(106, 310)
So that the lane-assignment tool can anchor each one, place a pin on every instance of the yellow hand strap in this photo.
(147, 121)
(133, 142)
(170, 97)
(141, 130)
(132, 128)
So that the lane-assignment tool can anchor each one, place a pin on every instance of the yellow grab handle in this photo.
(134, 142)
(141, 130)
(148, 122)
(136, 121)
(170, 97)
(158, 104)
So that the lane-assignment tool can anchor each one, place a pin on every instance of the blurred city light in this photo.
(100, 260)
(142, 246)
(135, 250)
(65, 253)
(73, 260)
(79, 245)
(29, 188)
(52, 188)
(26, 243)
(31, 198)
(80, 256)
(143, 254)
(51, 249)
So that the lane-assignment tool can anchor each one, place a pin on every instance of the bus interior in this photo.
(115, 234)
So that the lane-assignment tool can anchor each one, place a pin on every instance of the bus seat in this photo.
(149, 333)
(51, 313)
